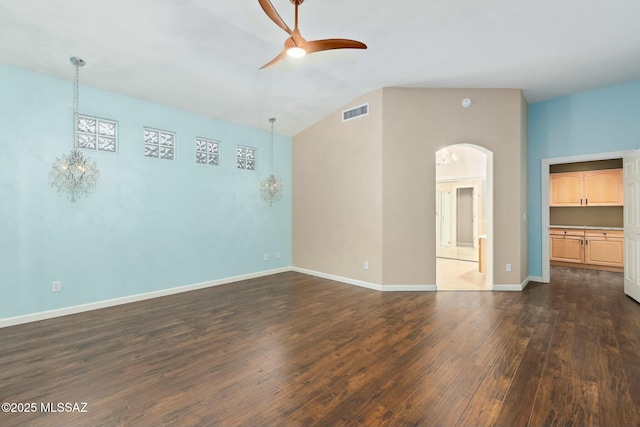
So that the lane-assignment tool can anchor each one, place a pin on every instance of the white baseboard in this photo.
(507, 287)
(519, 287)
(363, 284)
(538, 279)
(333, 277)
(17, 320)
(409, 288)
(43, 315)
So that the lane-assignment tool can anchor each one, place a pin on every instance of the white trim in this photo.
(544, 195)
(346, 280)
(409, 288)
(368, 285)
(538, 279)
(49, 314)
(519, 287)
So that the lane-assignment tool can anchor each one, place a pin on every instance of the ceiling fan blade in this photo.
(328, 44)
(275, 60)
(288, 43)
(273, 14)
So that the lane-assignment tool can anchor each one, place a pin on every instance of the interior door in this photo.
(632, 225)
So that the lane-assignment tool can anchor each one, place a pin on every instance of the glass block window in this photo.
(94, 133)
(246, 158)
(160, 144)
(207, 151)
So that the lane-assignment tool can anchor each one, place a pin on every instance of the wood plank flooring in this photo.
(291, 349)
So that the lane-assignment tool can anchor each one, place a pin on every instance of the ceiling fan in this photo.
(297, 46)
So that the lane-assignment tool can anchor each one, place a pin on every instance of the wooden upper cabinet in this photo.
(565, 189)
(604, 188)
(590, 188)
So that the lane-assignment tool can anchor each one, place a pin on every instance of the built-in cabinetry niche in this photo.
(593, 248)
(586, 214)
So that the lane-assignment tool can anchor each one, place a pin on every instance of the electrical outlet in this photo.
(508, 267)
(366, 265)
(266, 257)
(56, 286)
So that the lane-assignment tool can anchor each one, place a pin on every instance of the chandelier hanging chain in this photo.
(271, 120)
(77, 62)
(76, 102)
(76, 86)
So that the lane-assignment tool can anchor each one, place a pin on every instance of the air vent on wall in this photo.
(354, 113)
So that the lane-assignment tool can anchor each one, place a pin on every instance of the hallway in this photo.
(457, 269)
(458, 275)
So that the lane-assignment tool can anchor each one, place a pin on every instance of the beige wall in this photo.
(418, 122)
(337, 202)
(365, 189)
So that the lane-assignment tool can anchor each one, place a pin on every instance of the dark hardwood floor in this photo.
(292, 349)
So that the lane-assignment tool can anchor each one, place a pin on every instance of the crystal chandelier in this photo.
(74, 173)
(271, 188)
(444, 158)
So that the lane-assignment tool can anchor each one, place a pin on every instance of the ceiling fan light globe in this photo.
(296, 52)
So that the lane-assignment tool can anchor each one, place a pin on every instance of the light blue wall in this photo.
(150, 225)
(599, 121)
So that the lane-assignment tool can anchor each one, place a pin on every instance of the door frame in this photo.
(473, 184)
(487, 192)
(544, 194)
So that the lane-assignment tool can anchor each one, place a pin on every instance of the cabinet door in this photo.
(604, 248)
(567, 248)
(603, 188)
(565, 189)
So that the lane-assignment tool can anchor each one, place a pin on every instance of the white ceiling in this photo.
(203, 56)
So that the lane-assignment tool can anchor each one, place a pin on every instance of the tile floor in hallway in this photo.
(458, 252)
(458, 275)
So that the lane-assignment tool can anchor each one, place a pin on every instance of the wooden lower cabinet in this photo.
(604, 248)
(597, 249)
(567, 246)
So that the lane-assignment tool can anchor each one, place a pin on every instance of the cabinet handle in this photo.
(580, 201)
(604, 233)
(586, 201)
(586, 242)
(580, 242)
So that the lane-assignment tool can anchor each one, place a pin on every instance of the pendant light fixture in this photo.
(271, 188)
(74, 173)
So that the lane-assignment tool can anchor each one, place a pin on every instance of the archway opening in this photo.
(464, 218)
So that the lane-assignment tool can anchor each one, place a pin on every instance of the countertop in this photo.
(586, 227)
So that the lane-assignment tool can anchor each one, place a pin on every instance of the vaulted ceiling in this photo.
(204, 56)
